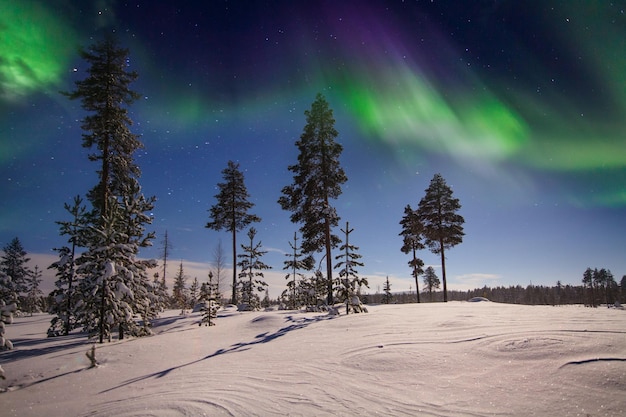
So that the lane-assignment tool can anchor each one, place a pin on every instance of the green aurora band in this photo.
(35, 47)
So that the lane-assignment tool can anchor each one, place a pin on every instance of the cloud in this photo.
(473, 280)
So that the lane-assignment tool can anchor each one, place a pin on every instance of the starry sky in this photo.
(521, 106)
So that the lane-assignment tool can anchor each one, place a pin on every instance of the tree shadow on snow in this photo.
(27, 348)
(266, 337)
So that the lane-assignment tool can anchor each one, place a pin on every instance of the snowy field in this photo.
(454, 359)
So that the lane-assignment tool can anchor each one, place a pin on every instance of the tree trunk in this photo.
(443, 273)
(329, 265)
(417, 285)
(233, 298)
(102, 310)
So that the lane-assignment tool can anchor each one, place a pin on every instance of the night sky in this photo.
(521, 106)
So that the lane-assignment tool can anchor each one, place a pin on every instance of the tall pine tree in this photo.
(231, 211)
(116, 229)
(317, 179)
(443, 227)
(412, 234)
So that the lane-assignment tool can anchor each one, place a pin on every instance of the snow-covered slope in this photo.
(454, 359)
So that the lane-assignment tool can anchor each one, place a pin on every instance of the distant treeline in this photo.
(529, 295)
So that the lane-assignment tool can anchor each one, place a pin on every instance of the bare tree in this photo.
(166, 250)
(219, 265)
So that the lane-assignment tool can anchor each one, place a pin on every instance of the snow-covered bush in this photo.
(6, 316)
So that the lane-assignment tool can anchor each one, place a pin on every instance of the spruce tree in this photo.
(387, 296)
(443, 227)
(588, 287)
(66, 294)
(295, 263)
(412, 234)
(431, 280)
(33, 292)
(317, 179)
(194, 292)
(179, 289)
(231, 211)
(349, 283)
(13, 265)
(251, 275)
(118, 216)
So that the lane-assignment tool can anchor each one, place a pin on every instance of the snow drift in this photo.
(454, 359)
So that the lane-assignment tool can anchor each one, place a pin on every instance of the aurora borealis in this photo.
(521, 107)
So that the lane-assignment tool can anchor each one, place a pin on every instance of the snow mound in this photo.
(444, 359)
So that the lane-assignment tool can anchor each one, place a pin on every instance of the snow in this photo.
(452, 359)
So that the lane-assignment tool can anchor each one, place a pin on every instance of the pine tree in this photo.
(13, 265)
(66, 294)
(158, 289)
(295, 263)
(387, 296)
(431, 280)
(349, 283)
(115, 283)
(33, 292)
(588, 286)
(317, 178)
(443, 228)
(251, 276)
(194, 292)
(210, 297)
(412, 234)
(231, 211)
(179, 290)
(118, 216)
(106, 93)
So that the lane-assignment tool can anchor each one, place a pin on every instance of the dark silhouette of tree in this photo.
(588, 287)
(33, 292)
(296, 263)
(349, 283)
(443, 227)
(166, 249)
(179, 289)
(13, 264)
(317, 178)
(66, 293)
(387, 296)
(106, 93)
(252, 272)
(412, 234)
(231, 211)
(431, 280)
(119, 208)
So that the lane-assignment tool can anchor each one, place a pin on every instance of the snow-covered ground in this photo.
(454, 359)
